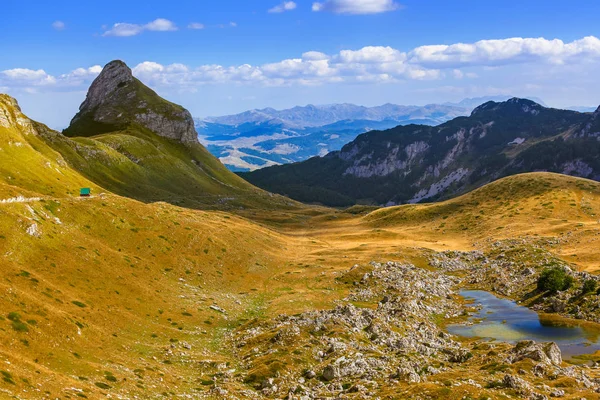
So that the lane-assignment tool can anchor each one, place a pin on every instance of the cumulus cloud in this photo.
(314, 56)
(356, 6)
(504, 51)
(58, 25)
(124, 29)
(371, 64)
(29, 79)
(283, 7)
(196, 25)
(160, 25)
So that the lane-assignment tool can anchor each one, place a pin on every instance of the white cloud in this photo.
(124, 29)
(28, 75)
(29, 80)
(371, 64)
(356, 6)
(504, 51)
(458, 74)
(196, 25)
(314, 56)
(372, 54)
(58, 25)
(161, 25)
(285, 6)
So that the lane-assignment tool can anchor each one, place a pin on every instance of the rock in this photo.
(514, 382)
(547, 353)
(408, 375)
(310, 374)
(33, 230)
(557, 393)
(116, 100)
(557, 305)
(331, 372)
(553, 352)
(217, 308)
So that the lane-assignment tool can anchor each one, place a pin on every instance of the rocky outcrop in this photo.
(392, 344)
(12, 117)
(116, 100)
(547, 353)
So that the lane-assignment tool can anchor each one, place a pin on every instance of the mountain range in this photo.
(415, 163)
(260, 138)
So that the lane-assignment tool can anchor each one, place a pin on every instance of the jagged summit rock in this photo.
(117, 100)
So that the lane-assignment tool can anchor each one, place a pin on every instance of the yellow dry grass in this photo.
(104, 295)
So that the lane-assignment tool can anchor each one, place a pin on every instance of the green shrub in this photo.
(554, 279)
(102, 385)
(14, 316)
(589, 286)
(19, 326)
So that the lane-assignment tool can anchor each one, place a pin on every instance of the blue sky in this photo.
(253, 54)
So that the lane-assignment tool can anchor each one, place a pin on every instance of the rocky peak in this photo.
(117, 100)
(114, 76)
(12, 117)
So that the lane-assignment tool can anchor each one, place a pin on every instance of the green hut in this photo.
(85, 192)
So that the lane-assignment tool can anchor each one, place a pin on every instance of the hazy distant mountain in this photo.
(314, 116)
(260, 138)
(409, 164)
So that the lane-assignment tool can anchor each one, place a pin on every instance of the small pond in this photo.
(506, 321)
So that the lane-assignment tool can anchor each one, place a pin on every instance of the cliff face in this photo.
(415, 163)
(116, 100)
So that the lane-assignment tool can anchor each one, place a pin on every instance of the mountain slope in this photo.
(259, 138)
(416, 162)
(132, 142)
(27, 162)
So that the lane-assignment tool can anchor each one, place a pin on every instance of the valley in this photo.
(178, 279)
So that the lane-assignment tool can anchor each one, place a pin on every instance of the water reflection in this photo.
(506, 321)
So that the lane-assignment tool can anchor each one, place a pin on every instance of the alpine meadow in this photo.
(344, 199)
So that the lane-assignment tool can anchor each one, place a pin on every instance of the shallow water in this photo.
(506, 321)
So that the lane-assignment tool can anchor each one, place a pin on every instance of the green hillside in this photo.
(129, 140)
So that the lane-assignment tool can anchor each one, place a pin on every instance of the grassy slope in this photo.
(138, 163)
(111, 288)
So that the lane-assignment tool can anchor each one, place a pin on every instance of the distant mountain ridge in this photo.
(260, 138)
(320, 115)
(416, 163)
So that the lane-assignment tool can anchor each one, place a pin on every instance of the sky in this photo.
(223, 57)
